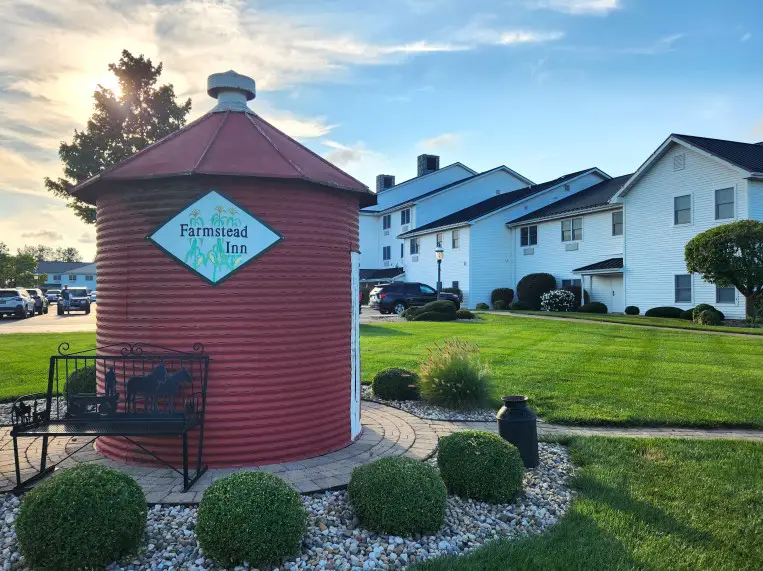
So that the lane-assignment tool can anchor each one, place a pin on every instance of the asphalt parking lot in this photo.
(51, 323)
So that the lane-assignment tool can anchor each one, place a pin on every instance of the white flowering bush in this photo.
(557, 300)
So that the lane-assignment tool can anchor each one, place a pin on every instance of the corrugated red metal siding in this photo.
(277, 332)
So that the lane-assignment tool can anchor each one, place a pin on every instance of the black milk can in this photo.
(517, 425)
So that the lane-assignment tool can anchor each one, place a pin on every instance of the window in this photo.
(57, 278)
(88, 278)
(679, 162)
(572, 230)
(405, 216)
(438, 239)
(455, 239)
(573, 283)
(386, 253)
(683, 288)
(528, 236)
(455, 283)
(725, 295)
(402, 249)
(386, 221)
(617, 223)
(682, 209)
(72, 278)
(414, 246)
(724, 203)
(426, 289)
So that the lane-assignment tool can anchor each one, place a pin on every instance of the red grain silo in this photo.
(280, 329)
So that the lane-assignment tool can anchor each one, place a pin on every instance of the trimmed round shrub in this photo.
(708, 317)
(505, 294)
(82, 518)
(593, 307)
(632, 310)
(706, 306)
(453, 376)
(576, 292)
(464, 314)
(557, 300)
(499, 305)
(483, 306)
(454, 290)
(81, 381)
(519, 306)
(444, 307)
(532, 286)
(481, 466)
(250, 516)
(396, 384)
(398, 496)
(687, 315)
(435, 316)
(672, 312)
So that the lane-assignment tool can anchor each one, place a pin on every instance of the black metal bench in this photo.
(149, 391)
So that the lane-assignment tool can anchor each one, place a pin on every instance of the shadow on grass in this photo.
(377, 331)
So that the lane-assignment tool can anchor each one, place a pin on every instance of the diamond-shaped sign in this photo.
(215, 237)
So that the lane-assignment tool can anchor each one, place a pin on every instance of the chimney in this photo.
(427, 164)
(232, 90)
(384, 181)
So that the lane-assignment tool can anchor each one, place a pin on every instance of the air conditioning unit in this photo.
(404, 228)
(414, 258)
(571, 247)
(386, 232)
(529, 251)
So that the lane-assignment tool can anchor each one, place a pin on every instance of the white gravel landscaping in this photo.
(335, 538)
(429, 411)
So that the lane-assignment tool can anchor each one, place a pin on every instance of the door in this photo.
(618, 301)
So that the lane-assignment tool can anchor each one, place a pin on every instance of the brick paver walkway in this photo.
(387, 431)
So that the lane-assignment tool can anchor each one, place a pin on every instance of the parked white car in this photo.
(17, 302)
(53, 295)
(92, 296)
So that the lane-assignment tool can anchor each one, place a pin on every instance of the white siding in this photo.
(370, 253)
(654, 249)
(755, 200)
(419, 185)
(455, 263)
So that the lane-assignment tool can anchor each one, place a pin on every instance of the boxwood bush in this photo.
(593, 307)
(444, 307)
(398, 496)
(704, 307)
(499, 305)
(708, 317)
(505, 294)
(483, 306)
(687, 314)
(454, 290)
(481, 466)
(81, 381)
(396, 384)
(632, 310)
(673, 312)
(464, 314)
(81, 518)
(452, 375)
(434, 316)
(532, 286)
(519, 306)
(250, 516)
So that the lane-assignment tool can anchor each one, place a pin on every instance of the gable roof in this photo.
(456, 183)
(493, 204)
(595, 196)
(60, 267)
(747, 158)
(420, 176)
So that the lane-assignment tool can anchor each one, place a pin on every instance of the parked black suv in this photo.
(396, 297)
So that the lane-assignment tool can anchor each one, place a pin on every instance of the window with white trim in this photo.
(455, 284)
(573, 283)
(528, 236)
(387, 253)
(725, 294)
(72, 278)
(438, 239)
(386, 222)
(572, 229)
(89, 278)
(682, 209)
(414, 246)
(455, 239)
(617, 223)
(57, 278)
(682, 288)
(724, 203)
(405, 216)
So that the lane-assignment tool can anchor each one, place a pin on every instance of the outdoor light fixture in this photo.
(438, 254)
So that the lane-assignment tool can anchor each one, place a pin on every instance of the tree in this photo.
(730, 255)
(40, 253)
(121, 125)
(18, 271)
(67, 255)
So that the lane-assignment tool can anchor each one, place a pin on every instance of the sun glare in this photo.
(109, 82)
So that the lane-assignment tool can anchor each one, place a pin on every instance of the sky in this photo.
(545, 87)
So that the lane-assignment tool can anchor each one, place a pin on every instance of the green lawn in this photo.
(647, 505)
(643, 320)
(589, 373)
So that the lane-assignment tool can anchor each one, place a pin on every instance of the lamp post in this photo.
(438, 253)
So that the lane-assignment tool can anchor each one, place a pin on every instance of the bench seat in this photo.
(131, 427)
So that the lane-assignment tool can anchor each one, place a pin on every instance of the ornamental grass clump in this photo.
(82, 518)
(398, 496)
(396, 384)
(452, 375)
(481, 466)
(251, 516)
(557, 300)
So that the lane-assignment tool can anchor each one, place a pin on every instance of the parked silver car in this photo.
(40, 301)
(53, 295)
(17, 302)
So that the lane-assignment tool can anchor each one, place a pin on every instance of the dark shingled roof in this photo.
(610, 264)
(493, 203)
(381, 274)
(596, 195)
(59, 267)
(748, 156)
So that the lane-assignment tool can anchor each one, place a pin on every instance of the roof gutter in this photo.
(413, 233)
(567, 214)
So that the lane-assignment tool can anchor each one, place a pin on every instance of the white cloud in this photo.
(527, 37)
(344, 156)
(298, 127)
(21, 175)
(596, 7)
(86, 238)
(745, 37)
(657, 47)
(482, 29)
(444, 140)
(44, 235)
